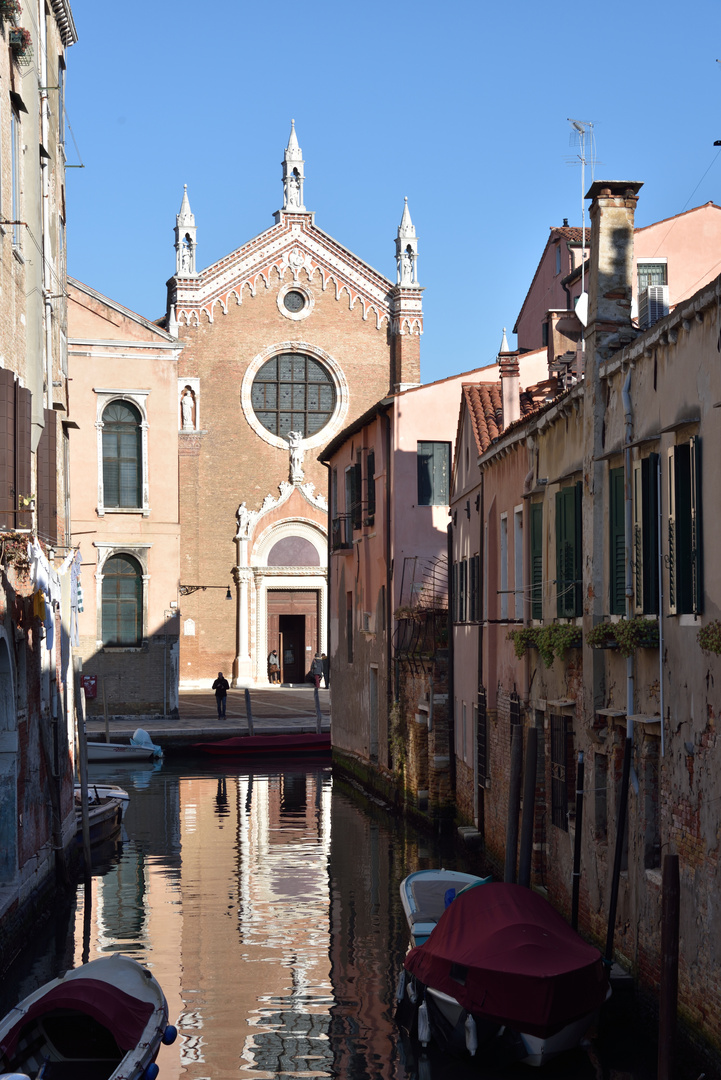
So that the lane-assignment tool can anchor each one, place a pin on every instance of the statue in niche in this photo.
(293, 188)
(407, 270)
(186, 255)
(187, 409)
(243, 516)
(295, 438)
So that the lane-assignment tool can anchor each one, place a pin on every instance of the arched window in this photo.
(122, 601)
(122, 485)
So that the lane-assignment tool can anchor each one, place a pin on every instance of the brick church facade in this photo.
(285, 341)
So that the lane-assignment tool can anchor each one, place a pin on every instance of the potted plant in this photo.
(627, 635)
(552, 641)
(522, 639)
(21, 43)
(10, 9)
(709, 637)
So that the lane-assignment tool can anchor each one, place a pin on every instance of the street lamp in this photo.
(186, 590)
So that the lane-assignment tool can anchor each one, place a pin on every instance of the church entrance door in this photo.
(294, 614)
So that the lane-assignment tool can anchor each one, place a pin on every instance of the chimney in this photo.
(610, 275)
(510, 373)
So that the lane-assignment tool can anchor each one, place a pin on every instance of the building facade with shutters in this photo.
(286, 340)
(37, 820)
(618, 651)
(124, 477)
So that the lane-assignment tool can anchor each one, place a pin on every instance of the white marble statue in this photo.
(297, 475)
(243, 516)
(186, 407)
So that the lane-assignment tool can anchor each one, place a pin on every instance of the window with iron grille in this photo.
(559, 782)
(514, 710)
(482, 737)
(122, 601)
(293, 392)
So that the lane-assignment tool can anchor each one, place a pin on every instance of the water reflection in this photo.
(266, 902)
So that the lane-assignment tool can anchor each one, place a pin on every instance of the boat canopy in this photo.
(504, 953)
(124, 1015)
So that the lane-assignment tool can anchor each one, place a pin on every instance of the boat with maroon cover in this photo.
(268, 745)
(504, 969)
(102, 1021)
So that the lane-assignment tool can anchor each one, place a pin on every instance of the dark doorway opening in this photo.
(292, 627)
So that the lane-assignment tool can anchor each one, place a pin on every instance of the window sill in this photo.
(124, 510)
(123, 648)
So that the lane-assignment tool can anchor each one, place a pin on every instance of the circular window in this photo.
(294, 301)
(293, 392)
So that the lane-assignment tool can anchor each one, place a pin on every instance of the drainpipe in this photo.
(45, 189)
(627, 489)
(451, 681)
(392, 687)
(528, 594)
(660, 602)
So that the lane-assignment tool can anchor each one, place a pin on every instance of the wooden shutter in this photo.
(617, 542)
(536, 560)
(23, 466)
(671, 530)
(684, 541)
(47, 495)
(696, 593)
(371, 484)
(649, 535)
(568, 554)
(7, 449)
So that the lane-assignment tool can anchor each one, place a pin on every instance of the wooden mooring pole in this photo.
(670, 902)
(248, 711)
(577, 843)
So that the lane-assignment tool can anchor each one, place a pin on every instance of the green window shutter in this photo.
(684, 543)
(618, 542)
(568, 552)
(696, 596)
(536, 560)
(650, 534)
(671, 533)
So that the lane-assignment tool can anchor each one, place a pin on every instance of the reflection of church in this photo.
(287, 340)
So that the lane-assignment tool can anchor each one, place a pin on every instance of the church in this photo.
(285, 341)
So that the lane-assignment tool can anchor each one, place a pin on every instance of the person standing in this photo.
(221, 687)
(273, 667)
(326, 670)
(316, 669)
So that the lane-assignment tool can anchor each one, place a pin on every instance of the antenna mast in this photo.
(583, 132)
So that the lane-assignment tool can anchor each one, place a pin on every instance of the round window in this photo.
(294, 301)
(293, 392)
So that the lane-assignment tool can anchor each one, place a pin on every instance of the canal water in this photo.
(266, 902)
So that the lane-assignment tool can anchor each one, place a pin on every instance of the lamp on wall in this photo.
(186, 590)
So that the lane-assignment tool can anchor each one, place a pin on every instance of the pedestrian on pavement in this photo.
(221, 687)
(273, 667)
(316, 669)
(326, 670)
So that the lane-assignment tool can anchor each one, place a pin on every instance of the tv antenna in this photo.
(583, 137)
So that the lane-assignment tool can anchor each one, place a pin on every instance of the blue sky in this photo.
(460, 106)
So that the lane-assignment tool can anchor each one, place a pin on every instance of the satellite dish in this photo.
(582, 308)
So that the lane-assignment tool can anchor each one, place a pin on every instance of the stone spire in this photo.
(293, 174)
(185, 241)
(504, 343)
(407, 250)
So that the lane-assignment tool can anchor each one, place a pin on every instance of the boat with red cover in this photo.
(268, 745)
(502, 966)
(102, 1021)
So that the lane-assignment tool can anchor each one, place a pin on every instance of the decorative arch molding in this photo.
(138, 398)
(296, 526)
(342, 394)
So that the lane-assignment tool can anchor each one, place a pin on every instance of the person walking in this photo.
(221, 687)
(316, 669)
(326, 670)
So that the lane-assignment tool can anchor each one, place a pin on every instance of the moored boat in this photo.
(268, 745)
(105, 816)
(140, 748)
(102, 1021)
(96, 792)
(426, 894)
(503, 969)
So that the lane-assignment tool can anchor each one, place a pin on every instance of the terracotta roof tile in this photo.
(484, 402)
(571, 232)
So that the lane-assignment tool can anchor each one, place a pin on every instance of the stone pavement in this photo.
(279, 711)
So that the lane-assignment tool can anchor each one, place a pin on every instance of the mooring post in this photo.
(248, 711)
(529, 806)
(670, 902)
(318, 716)
(514, 804)
(620, 838)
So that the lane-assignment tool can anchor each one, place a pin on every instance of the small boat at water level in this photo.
(102, 1021)
(140, 748)
(503, 970)
(426, 894)
(96, 792)
(268, 745)
(105, 816)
